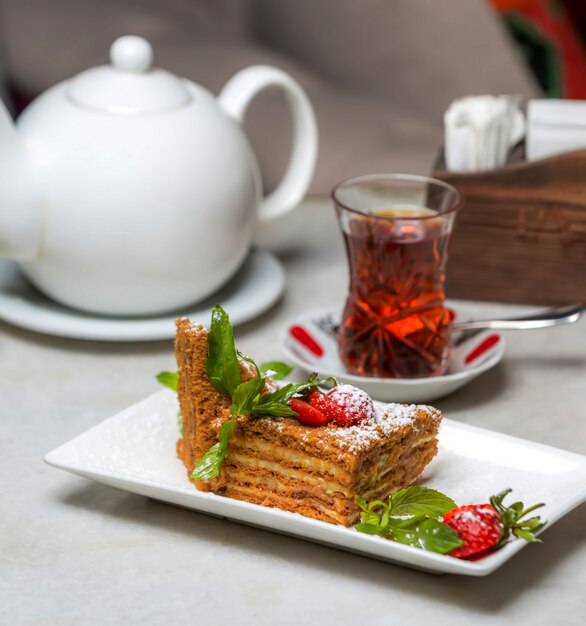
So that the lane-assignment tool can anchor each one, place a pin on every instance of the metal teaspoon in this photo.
(549, 317)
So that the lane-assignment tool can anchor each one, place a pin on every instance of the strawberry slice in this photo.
(308, 414)
(345, 404)
(479, 525)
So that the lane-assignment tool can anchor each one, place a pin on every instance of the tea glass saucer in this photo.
(310, 342)
(256, 287)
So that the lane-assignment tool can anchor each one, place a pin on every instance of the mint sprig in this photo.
(411, 516)
(248, 397)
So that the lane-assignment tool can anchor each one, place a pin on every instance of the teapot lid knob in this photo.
(130, 85)
(131, 54)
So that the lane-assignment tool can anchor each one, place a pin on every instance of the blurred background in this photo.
(380, 74)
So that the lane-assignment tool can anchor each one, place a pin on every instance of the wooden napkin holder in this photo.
(521, 236)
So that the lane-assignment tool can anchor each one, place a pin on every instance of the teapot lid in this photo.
(129, 85)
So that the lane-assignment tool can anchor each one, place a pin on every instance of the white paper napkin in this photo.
(479, 131)
(555, 126)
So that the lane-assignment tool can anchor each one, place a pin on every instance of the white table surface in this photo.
(73, 552)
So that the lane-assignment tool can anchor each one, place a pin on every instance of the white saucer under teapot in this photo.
(129, 191)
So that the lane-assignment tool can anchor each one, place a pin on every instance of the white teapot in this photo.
(129, 191)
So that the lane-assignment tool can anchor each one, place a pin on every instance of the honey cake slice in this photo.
(279, 462)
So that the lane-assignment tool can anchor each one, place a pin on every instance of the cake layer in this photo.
(316, 500)
(287, 480)
(295, 467)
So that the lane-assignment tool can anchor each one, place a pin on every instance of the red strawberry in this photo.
(479, 525)
(308, 414)
(319, 401)
(345, 404)
(486, 526)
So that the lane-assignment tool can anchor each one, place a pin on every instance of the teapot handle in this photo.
(235, 98)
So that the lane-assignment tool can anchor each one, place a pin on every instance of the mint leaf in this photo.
(171, 380)
(272, 409)
(420, 500)
(276, 403)
(372, 519)
(168, 379)
(222, 362)
(210, 464)
(245, 395)
(429, 534)
(376, 504)
(369, 529)
(276, 369)
(409, 517)
(282, 395)
(420, 531)
(375, 514)
(362, 503)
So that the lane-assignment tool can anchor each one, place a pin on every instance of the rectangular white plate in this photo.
(135, 450)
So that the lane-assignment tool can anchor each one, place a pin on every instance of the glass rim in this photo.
(458, 204)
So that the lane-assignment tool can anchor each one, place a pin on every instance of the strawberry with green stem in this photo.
(487, 527)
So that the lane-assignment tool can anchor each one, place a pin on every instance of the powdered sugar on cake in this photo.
(387, 418)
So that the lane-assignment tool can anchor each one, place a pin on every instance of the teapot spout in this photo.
(20, 222)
